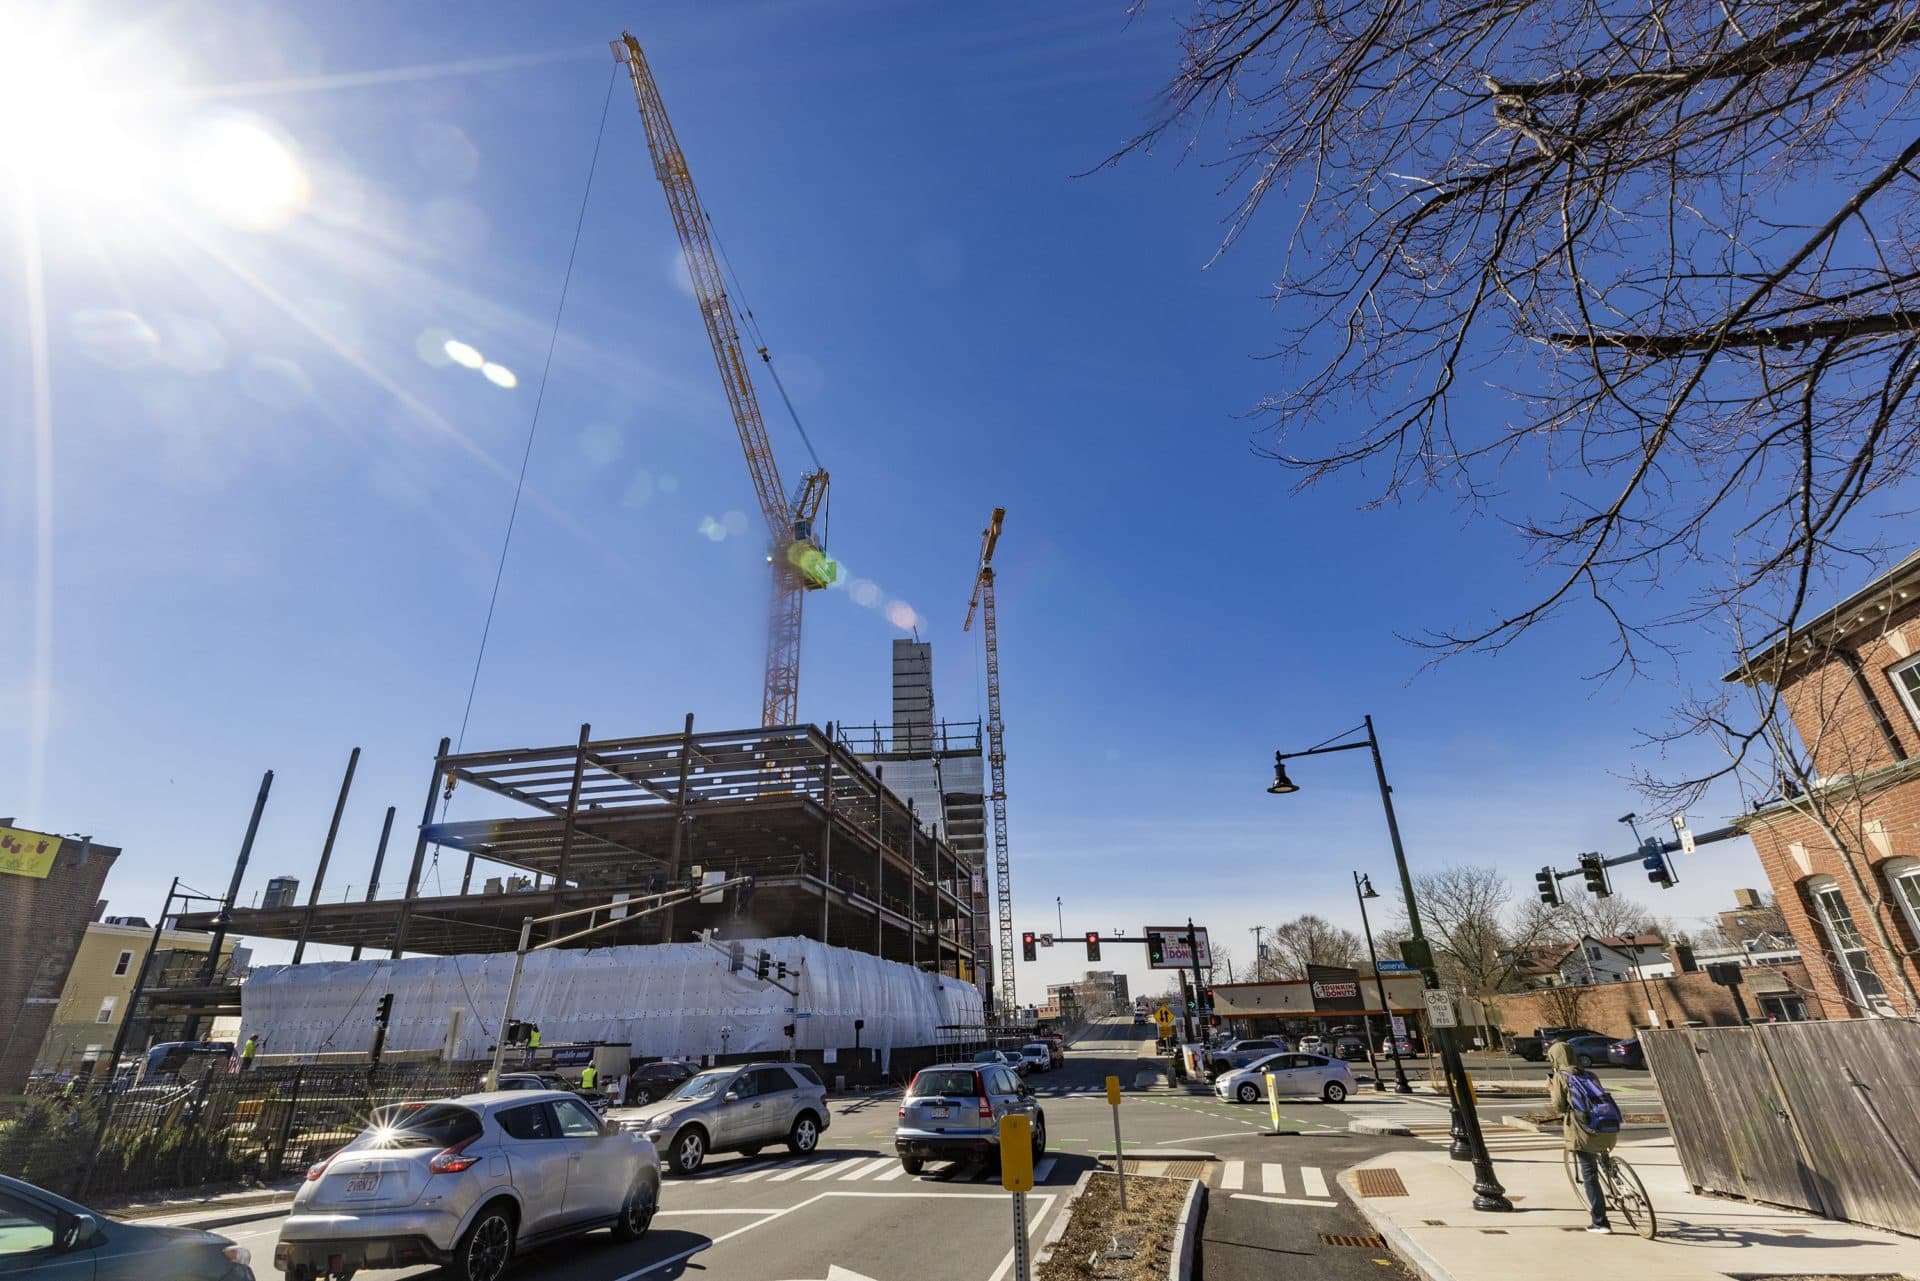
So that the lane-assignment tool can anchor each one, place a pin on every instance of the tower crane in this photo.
(800, 564)
(996, 752)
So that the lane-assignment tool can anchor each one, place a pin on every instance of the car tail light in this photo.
(453, 1160)
(319, 1167)
(903, 1111)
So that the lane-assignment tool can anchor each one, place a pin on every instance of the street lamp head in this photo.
(1282, 785)
(1366, 887)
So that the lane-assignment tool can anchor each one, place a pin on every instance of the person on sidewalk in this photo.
(1576, 1094)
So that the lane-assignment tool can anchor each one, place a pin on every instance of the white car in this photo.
(1313, 1045)
(1294, 1073)
(1035, 1057)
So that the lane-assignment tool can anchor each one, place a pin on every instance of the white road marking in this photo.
(1233, 1176)
(661, 1214)
(1279, 1200)
(791, 1173)
(865, 1168)
(1310, 1181)
(833, 1168)
(894, 1173)
(1273, 1178)
(749, 1175)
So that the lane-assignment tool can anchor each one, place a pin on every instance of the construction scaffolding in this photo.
(834, 854)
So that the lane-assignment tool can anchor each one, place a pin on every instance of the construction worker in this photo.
(589, 1076)
(533, 1045)
(248, 1050)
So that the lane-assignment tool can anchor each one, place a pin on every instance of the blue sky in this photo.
(274, 523)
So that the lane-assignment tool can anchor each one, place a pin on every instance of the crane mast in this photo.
(798, 562)
(996, 753)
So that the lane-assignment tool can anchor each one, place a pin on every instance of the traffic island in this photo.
(1152, 1240)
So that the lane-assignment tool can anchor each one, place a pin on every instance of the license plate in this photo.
(362, 1184)
(939, 1114)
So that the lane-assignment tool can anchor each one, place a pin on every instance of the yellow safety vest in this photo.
(588, 1077)
(534, 1039)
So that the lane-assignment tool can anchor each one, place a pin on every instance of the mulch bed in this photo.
(1151, 1224)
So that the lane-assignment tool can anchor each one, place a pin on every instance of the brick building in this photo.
(1841, 844)
(1775, 993)
(49, 891)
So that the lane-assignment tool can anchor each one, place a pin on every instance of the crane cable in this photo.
(748, 322)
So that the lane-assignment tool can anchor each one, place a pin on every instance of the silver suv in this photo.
(737, 1109)
(953, 1110)
(468, 1182)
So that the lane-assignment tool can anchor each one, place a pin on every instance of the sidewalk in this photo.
(1435, 1229)
(212, 1210)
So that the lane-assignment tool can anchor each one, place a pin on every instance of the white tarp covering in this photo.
(668, 1000)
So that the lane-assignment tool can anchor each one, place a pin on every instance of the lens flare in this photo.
(462, 354)
(239, 171)
(499, 375)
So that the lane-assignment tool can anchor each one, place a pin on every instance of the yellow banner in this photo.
(24, 853)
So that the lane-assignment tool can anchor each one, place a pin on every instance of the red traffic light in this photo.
(1093, 945)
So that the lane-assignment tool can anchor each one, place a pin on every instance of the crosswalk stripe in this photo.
(833, 1168)
(795, 1171)
(748, 1176)
(1233, 1176)
(894, 1173)
(1273, 1178)
(865, 1168)
(1311, 1184)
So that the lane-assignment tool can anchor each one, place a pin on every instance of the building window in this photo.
(1849, 950)
(121, 966)
(1906, 678)
(1903, 879)
(106, 1010)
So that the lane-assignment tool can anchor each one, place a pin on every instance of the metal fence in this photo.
(1818, 1116)
(253, 1127)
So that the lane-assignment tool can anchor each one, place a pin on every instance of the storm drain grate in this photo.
(1353, 1242)
(1379, 1182)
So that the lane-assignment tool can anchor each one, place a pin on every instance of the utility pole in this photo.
(1199, 988)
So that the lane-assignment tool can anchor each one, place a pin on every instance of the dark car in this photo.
(51, 1238)
(1590, 1050)
(1627, 1054)
(652, 1081)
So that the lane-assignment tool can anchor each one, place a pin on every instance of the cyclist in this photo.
(1577, 1095)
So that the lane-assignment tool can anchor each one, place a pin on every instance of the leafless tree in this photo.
(1613, 917)
(1563, 1003)
(1636, 276)
(1478, 940)
(1307, 940)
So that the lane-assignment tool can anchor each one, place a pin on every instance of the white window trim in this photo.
(1896, 870)
(123, 963)
(107, 1006)
(1900, 690)
(1815, 887)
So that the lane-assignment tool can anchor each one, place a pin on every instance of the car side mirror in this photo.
(79, 1230)
(731, 1096)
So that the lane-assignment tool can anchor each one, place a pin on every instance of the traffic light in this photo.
(1659, 871)
(1093, 945)
(1549, 886)
(1207, 995)
(1156, 949)
(1594, 871)
(764, 966)
(736, 957)
(789, 1031)
(386, 1010)
(1027, 945)
(780, 970)
(742, 896)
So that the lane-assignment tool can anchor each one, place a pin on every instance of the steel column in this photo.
(326, 856)
(420, 850)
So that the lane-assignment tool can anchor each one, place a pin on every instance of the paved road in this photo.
(852, 1208)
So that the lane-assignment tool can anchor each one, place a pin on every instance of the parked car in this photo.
(1056, 1051)
(1002, 1058)
(1627, 1054)
(1388, 1044)
(738, 1109)
(1534, 1048)
(652, 1081)
(50, 1237)
(551, 1081)
(467, 1183)
(1312, 1044)
(1349, 1047)
(1237, 1054)
(1589, 1050)
(953, 1110)
(1037, 1055)
(1293, 1073)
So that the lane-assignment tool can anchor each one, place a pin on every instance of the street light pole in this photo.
(1363, 890)
(1468, 1142)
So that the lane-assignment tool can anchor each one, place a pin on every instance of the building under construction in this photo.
(835, 853)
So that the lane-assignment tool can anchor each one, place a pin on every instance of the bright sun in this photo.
(91, 140)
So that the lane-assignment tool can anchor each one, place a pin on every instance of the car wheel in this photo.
(1039, 1135)
(1334, 1092)
(1248, 1092)
(1583, 1061)
(689, 1150)
(805, 1135)
(483, 1253)
(912, 1164)
(636, 1216)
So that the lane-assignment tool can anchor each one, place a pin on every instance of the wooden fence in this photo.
(1818, 1116)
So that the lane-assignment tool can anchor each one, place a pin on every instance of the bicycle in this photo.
(1621, 1188)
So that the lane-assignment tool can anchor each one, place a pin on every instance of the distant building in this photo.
(99, 990)
(49, 890)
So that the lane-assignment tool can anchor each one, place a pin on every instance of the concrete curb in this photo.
(1403, 1245)
(1554, 1127)
(217, 1219)
(1186, 1252)
(1060, 1220)
(1158, 1154)
(1369, 1125)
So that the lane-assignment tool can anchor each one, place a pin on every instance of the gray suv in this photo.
(953, 1110)
(468, 1183)
(737, 1109)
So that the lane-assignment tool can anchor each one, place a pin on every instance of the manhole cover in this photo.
(1353, 1242)
(1379, 1182)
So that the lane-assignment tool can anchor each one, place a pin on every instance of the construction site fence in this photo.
(1816, 1116)
(226, 1130)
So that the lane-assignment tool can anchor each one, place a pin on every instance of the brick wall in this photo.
(1620, 1009)
(1834, 719)
(41, 924)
